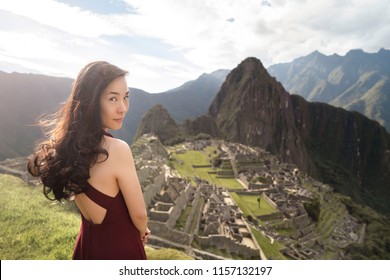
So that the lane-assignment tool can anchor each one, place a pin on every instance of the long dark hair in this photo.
(74, 135)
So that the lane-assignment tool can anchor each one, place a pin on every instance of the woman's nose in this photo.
(124, 107)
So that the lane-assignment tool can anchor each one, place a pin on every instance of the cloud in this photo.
(280, 28)
(170, 41)
(58, 15)
(153, 72)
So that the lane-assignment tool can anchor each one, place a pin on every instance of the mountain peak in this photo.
(158, 121)
(248, 107)
(252, 63)
(355, 52)
(250, 73)
(316, 53)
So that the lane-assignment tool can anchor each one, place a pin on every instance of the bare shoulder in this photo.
(117, 148)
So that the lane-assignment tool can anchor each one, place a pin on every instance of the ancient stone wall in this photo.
(195, 213)
(150, 190)
(161, 212)
(301, 221)
(163, 231)
(180, 205)
(230, 245)
(269, 200)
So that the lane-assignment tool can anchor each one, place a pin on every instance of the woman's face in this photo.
(114, 103)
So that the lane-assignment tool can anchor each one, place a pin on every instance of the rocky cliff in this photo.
(254, 109)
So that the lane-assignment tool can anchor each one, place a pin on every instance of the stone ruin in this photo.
(218, 221)
(220, 225)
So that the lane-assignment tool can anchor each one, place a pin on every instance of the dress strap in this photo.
(98, 197)
(108, 134)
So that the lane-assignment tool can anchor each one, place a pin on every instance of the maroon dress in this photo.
(116, 238)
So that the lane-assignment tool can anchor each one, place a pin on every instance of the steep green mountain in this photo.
(158, 121)
(358, 81)
(24, 97)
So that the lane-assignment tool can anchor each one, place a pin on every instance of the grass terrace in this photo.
(184, 163)
(269, 248)
(250, 206)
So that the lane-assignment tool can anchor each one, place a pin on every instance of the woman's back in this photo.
(107, 231)
(102, 178)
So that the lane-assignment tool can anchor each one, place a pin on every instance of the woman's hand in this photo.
(144, 239)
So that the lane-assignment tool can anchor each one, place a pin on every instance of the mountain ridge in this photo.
(357, 81)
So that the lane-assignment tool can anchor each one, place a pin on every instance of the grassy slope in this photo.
(34, 228)
(190, 158)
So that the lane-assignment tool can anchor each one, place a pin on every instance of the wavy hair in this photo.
(73, 135)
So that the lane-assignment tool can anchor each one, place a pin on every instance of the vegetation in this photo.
(166, 254)
(250, 205)
(181, 222)
(377, 239)
(270, 249)
(34, 228)
(184, 163)
(313, 209)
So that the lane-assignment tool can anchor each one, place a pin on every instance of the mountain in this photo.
(345, 149)
(358, 81)
(24, 98)
(158, 121)
(253, 108)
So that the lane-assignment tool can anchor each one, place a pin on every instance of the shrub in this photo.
(313, 209)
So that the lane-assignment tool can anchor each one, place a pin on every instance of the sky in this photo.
(165, 43)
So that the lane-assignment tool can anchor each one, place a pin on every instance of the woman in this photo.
(80, 160)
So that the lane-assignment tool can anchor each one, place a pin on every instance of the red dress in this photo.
(116, 238)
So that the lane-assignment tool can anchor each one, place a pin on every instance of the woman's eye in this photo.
(113, 99)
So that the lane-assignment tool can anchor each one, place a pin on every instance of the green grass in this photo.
(250, 206)
(181, 222)
(270, 250)
(198, 211)
(34, 228)
(166, 254)
(186, 170)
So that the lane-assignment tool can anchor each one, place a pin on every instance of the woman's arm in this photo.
(129, 185)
